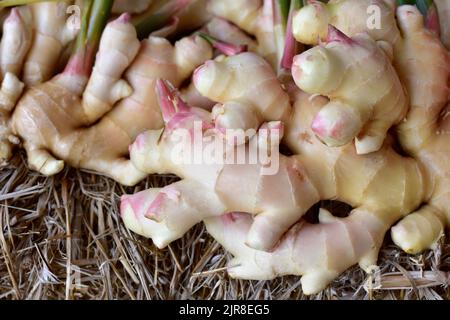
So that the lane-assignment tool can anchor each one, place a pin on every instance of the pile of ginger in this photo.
(357, 90)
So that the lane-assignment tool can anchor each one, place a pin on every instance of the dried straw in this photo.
(62, 238)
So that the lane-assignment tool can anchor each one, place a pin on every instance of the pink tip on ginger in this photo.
(432, 20)
(296, 67)
(136, 202)
(14, 16)
(198, 72)
(230, 49)
(154, 211)
(338, 128)
(169, 100)
(335, 35)
(225, 48)
(320, 126)
(139, 143)
(233, 217)
(124, 18)
(123, 204)
(76, 66)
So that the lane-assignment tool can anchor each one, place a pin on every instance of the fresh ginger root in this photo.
(310, 23)
(317, 252)
(424, 68)
(52, 32)
(95, 130)
(223, 30)
(209, 191)
(366, 95)
(33, 41)
(249, 80)
(382, 186)
(443, 8)
(254, 17)
(318, 181)
(226, 32)
(204, 190)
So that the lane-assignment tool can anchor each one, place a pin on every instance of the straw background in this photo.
(62, 238)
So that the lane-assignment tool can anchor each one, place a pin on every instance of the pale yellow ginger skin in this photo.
(301, 251)
(204, 190)
(34, 37)
(52, 32)
(191, 95)
(321, 252)
(424, 68)
(443, 8)
(351, 178)
(318, 252)
(248, 79)
(382, 186)
(118, 46)
(222, 30)
(310, 23)
(254, 17)
(366, 95)
(94, 131)
(12, 54)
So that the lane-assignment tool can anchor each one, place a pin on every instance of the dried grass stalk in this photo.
(62, 238)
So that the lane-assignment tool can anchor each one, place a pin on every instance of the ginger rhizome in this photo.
(382, 186)
(89, 121)
(33, 42)
(246, 79)
(204, 190)
(116, 109)
(254, 17)
(366, 95)
(426, 131)
(205, 193)
(310, 23)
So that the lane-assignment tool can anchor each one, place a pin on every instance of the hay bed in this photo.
(62, 238)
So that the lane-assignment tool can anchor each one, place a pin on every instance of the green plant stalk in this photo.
(284, 8)
(95, 16)
(99, 15)
(424, 5)
(12, 3)
(82, 35)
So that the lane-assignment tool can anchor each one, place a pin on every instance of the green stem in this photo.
(284, 8)
(423, 6)
(12, 3)
(100, 12)
(82, 35)
(95, 16)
